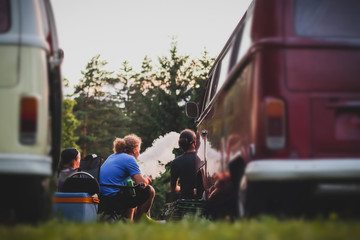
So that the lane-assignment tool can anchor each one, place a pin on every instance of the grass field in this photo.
(199, 229)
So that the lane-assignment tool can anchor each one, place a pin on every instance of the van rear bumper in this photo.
(304, 169)
(25, 164)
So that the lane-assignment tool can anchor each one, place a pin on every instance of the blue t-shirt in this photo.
(116, 170)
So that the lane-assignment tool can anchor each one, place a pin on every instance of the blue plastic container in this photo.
(77, 207)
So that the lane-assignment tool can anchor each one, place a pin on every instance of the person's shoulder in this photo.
(112, 159)
(127, 156)
(177, 159)
(111, 156)
(65, 173)
(68, 170)
(119, 155)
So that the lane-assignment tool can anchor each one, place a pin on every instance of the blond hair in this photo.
(126, 144)
(119, 145)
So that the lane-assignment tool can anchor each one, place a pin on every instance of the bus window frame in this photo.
(233, 48)
(210, 92)
(224, 70)
(245, 38)
(237, 44)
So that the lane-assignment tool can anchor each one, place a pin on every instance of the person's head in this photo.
(130, 144)
(70, 158)
(187, 140)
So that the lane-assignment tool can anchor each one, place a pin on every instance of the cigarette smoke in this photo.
(152, 161)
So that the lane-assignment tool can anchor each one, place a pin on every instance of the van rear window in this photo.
(327, 18)
(4, 15)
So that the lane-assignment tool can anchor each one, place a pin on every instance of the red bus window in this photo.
(327, 18)
(4, 15)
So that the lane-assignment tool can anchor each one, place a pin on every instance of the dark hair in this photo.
(67, 156)
(186, 139)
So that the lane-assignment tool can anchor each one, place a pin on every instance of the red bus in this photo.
(279, 121)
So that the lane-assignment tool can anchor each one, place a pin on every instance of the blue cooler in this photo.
(78, 207)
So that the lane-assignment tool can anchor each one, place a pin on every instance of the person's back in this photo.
(114, 174)
(116, 170)
(69, 164)
(185, 169)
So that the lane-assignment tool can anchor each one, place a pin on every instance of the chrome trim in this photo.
(304, 169)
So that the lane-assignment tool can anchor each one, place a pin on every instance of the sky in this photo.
(129, 30)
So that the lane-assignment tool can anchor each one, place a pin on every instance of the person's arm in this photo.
(174, 186)
(135, 173)
(138, 178)
(174, 178)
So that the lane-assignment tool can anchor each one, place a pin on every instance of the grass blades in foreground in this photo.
(197, 229)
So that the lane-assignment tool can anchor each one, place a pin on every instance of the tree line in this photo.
(149, 103)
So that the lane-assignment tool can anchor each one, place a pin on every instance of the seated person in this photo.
(186, 169)
(69, 164)
(118, 169)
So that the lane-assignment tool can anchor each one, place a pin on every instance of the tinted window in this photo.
(4, 15)
(224, 68)
(210, 92)
(327, 18)
(244, 39)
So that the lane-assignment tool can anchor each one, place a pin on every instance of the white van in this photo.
(30, 106)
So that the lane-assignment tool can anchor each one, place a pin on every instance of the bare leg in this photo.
(129, 213)
(145, 207)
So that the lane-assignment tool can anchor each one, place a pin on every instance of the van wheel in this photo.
(34, 206)
(241, 204)
(241, 199)
(237, 168)
(30, 202)
(26, 200)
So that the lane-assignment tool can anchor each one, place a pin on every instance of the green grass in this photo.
(199, 229)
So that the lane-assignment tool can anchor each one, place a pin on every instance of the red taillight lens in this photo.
(28, 120)
(275, 123)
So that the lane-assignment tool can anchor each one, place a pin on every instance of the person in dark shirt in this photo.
(185, 169)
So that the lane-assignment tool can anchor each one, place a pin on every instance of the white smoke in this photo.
(152, 161)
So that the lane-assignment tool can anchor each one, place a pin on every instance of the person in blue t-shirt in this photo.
(118, 169)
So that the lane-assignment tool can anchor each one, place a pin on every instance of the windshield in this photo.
(327, 18)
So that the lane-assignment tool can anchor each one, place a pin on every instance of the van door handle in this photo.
(348, 104)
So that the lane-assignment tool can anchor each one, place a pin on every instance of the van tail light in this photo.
(28, 120)
(275, 124)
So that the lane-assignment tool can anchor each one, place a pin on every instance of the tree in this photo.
(149, 103)
(101, 118)
(69, 124)
(155, 98)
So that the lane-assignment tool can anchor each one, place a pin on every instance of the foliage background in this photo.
(149, 103)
